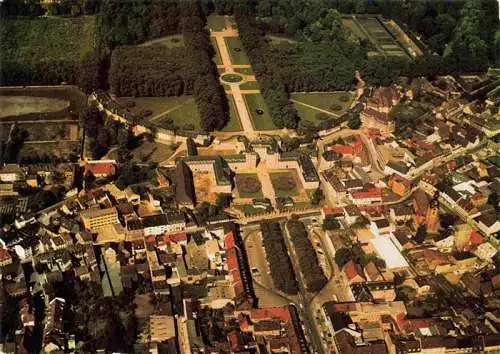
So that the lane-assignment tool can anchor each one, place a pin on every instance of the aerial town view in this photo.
(250, 176)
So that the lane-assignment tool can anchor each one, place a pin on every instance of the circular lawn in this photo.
(232, 78)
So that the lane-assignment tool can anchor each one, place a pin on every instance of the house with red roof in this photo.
(399, 185)
(100, 169)
(367, 196)
(353, 272)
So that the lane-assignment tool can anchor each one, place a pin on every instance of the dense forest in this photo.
(277, 257)
(308, 262)
(323, 58)
(161, 71)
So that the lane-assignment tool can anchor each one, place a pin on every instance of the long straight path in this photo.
(241, 107)
(315, 108)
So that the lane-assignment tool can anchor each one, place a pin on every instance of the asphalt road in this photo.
(305, 307)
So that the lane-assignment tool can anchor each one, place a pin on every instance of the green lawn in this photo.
(310, 114)
(216, 23)
(157, 105)
(260, 121)
(45, 39)
(250, 85)
(274, 176)
(185, 114)
(176, 40)
(234, 124)
(245, 71)
(217, 57)
(329, 101)
(237, 57)
(243, 194)
(181, 109)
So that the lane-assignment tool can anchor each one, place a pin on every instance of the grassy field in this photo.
(234, 124)
(333, 102)
(250, 85)
(243, 194)
(244, 71)
(183, 115)
(310, 114)
(217, 57)
(157, 105)
(274, 176)
(383, 43)
(181, 109)
(21, 105)
(46, 38)
(260, 121)
(173, 41)
(352, 26)
(237, 57)
(216, 23)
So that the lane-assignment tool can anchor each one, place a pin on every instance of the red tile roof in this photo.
(4, 255)
(229, 240)
(476, 238)
(333, 211)
(370, 193)
(351, 269)
(343, 149)
(175, 237)
(271, 312)
(231, 259)
(100, 168)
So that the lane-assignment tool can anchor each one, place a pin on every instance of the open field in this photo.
(262, 121)
(175, 40)
(181, 110)
(244, 71)
(333, 102)
(22, 105)
(250, 85)
(248, 185)
(46, 38)
(310, 114)
(157, 105)
(185, 116)
(381, 37)
(236, 51)
(352, 26)
(369, 27)
(284, 183)
(216, 23)
(234, 124)
(400, 35)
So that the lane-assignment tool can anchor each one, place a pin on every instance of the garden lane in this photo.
(239, 101)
